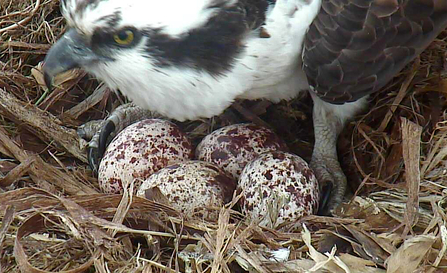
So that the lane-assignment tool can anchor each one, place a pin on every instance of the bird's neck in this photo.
(184, 94)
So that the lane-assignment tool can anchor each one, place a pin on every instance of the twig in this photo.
(400, 96)
(411, 150)
(23, 21)
(47, 126)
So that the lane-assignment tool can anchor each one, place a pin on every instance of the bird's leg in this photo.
(100, 133)
(329, 120)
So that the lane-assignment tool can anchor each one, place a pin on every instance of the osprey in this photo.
(191, 59)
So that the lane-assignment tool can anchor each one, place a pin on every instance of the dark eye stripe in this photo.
(104, 37)
(213, 47)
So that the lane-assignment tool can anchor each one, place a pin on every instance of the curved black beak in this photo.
(71, 51)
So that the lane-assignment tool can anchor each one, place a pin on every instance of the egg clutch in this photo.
(242, 160)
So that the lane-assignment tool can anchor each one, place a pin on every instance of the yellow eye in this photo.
(124, 37)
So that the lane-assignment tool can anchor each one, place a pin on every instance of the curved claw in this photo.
(104, 135)
(326, 192)
(330, 175)
(93, 159)
(96, 149)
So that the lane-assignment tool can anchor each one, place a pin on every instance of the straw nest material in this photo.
(54, 219)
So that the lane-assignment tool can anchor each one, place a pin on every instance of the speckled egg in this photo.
(278, 187)
(232, 147)
(140, 150)
(191, 187)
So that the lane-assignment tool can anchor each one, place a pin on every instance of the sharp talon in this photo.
(325, 196)
(100, 133)
(93, 159)
(96, 151)
(104, 135)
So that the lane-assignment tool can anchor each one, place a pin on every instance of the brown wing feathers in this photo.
(354, 47)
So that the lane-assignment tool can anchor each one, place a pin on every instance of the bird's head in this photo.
(134, 43)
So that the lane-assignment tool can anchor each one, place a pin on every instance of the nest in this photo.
(54, 219)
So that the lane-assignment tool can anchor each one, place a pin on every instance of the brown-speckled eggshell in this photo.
(278, 187)
(192, 186)
(232, 147)
(140, 150)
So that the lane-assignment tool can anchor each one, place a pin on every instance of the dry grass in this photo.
(53, 217)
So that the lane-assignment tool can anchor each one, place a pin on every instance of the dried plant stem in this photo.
(23, 21)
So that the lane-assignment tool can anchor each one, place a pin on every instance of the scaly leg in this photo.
(100, 133)
(329, 120)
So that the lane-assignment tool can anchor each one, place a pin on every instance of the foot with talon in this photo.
(329, 120)
(100, 133)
